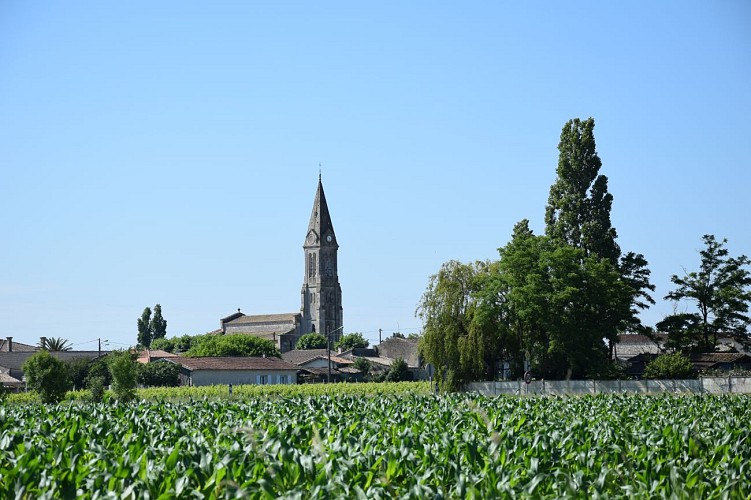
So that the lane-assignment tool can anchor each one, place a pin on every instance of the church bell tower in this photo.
(321, 293)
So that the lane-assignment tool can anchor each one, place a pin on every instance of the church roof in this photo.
(320, 219)
(265, 318)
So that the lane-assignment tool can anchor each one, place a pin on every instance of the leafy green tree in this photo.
(311, 341)
(364, 365)
(55, 344)
(163, 344)
(635, 273)
(159, 374)
(446, 309)
(670, 366)
(719, 290)
(98, 368)
(578, 211)
(78, 368)
(144, 328)
(158, 324)
(124, 371)
(176, 344)
(398, 371)
(96, 389)
(352, 341)
(48, 376)
(233, 345)
(578, 214)
(560, 304)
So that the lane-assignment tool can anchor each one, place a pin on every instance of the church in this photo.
(320, 297)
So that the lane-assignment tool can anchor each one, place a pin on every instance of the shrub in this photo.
(233, 345)
(78, 368)
(311, 341)
(159, 374)
(351, 341)
(667, 366)
(363, 365)
(398, 372)
(123, 370)
(48, 376)
(96, 389)
(99, 368)
(163, 344)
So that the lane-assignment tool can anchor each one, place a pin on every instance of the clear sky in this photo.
(167, 152)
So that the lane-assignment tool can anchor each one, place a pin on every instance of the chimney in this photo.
(10, 344)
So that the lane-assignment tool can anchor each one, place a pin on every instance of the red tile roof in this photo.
(234, 363)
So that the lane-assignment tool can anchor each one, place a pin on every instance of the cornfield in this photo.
(386, 446)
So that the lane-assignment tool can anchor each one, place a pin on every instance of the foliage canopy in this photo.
(720, 292)
(232, 345)
(670, 366)
(48, 376)
(311, 341)
(352, 341)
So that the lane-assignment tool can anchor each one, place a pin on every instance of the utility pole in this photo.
(100, 346)
(380, 340)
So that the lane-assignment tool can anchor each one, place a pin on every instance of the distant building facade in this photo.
(234, 370)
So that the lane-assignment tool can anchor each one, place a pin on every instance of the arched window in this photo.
(311, 265)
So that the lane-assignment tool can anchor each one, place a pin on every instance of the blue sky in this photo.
(168, 152)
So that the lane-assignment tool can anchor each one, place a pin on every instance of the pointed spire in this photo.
(320, 220)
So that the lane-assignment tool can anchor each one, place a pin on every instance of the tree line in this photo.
(52, 378)
(554, 304)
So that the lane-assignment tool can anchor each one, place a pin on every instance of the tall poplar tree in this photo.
(158, 324)
(578, 214)
(578, 211)
(144, 328)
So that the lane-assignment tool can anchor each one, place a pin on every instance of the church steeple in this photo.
(320, 219)
(321, 306)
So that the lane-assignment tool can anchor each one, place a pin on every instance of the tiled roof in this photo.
(234, 363)
(630, 345)
(264, 318)
(6, 379)
(17, 346)
(264, 334)
(301, 356)
(633, 338)
(721, 357)
(153, 354)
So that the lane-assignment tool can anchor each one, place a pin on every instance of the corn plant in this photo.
(393, 445)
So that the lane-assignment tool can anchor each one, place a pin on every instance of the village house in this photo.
(225, 370)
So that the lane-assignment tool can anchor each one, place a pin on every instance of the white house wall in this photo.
(241, 377)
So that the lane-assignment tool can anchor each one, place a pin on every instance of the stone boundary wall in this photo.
(709, 385)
